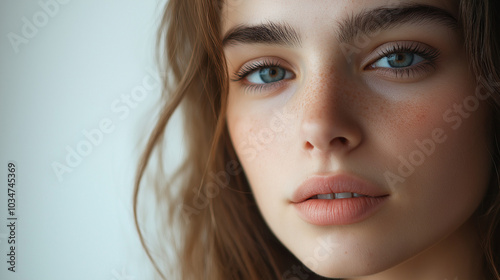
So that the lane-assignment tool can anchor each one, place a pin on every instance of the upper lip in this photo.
(335, 184)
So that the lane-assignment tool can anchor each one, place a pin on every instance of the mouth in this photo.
(337, 200)
(342, 195)
(341, 186)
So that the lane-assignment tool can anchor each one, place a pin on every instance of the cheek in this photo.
(258, 129)
(439, 165)
(254, 136)
(261, 138)
(436, 152)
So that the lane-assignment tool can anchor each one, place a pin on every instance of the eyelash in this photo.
(254, 66)
(430, 56)
(249, 68)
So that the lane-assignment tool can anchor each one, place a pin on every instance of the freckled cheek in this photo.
(416, 116)
(450, 166)
(394, 128)
(260, 152)
(251, 136)
(257, 133)
(465, 152)
(456, 172)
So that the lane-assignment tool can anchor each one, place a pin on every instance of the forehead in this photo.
(310, 14)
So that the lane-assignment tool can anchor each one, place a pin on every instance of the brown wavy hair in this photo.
(207, 223)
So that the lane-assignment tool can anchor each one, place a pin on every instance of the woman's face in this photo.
(371, 100)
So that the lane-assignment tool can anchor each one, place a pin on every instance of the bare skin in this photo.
(321, 103)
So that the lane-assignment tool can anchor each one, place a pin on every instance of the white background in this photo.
(65, 79)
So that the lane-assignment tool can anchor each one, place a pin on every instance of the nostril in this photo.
(309, 146)
(337, 141)
(341, 140)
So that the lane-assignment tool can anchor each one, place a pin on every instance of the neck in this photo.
(457, 257)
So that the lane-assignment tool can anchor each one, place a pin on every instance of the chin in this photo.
(348, 269)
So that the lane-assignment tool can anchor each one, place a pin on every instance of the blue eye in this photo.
(268, 75)
(263, 75)
(398, 60)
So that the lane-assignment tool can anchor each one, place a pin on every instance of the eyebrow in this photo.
(267, 33)
(366, 22)
(383, 18)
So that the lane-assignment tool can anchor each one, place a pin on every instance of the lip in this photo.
(337, 211)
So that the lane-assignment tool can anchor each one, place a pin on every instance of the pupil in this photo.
(273, 72)
(400, 60)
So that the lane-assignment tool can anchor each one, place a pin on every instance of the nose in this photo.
(330, 122)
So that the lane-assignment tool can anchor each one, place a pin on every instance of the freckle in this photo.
(345, 252)
(421, 116)
(410, 115)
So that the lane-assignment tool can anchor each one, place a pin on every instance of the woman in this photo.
(339, 139)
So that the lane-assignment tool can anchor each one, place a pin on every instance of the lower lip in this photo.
(323, 212)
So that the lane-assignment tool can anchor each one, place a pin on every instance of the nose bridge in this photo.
(324, 95)
(328, 114)
(326, 80)
(323, 91)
